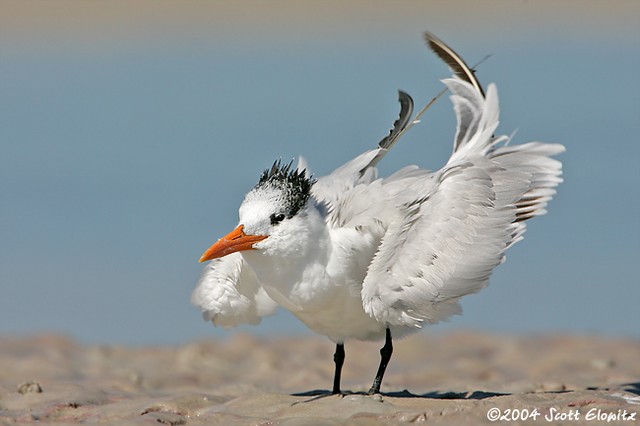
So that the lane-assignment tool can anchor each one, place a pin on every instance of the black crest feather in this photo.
(295, 183)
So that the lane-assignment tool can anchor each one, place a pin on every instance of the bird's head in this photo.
(272, 214)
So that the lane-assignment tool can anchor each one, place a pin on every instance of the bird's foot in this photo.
(374, 391)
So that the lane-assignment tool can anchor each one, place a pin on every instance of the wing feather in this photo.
(455, 62)
(333, 190)
(229, 294)
(462, 221)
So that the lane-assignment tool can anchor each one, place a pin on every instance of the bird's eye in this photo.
(277, 218)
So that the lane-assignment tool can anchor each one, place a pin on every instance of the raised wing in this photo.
(465, 106)
(229, 294)
(329, 189)
(338, 190)
(455, 230)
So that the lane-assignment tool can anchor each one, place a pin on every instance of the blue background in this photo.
(126, 148)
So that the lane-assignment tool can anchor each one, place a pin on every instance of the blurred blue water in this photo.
(119, 167)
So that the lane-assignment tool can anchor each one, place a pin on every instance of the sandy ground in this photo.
(455, 378)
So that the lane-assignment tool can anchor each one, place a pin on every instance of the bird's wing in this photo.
(343, 183)
(451, 233)
(329, 189)
(464, 109)
(229, 294)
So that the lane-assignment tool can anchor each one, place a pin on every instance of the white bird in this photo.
(354, 256)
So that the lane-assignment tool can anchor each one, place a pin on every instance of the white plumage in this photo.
(230, 294)
(357, 255)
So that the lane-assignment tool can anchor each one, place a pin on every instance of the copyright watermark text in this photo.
(554, 415)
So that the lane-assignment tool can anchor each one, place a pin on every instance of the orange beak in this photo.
(234, 241)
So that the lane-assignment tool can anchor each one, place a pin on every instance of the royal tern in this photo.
(354, 256)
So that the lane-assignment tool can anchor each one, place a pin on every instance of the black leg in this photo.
(338, 358)
(385, 356)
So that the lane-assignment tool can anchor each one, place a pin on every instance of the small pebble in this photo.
(553, 387)
(29, 387)
(603, 364)
(167, 418)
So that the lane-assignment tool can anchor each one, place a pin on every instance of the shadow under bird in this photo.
(355, 256)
